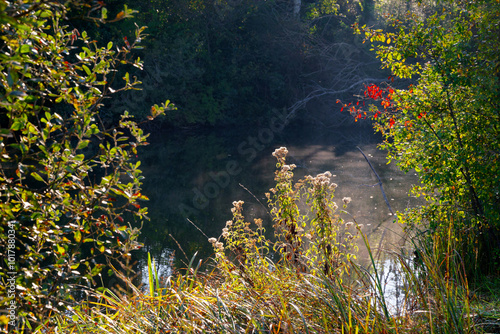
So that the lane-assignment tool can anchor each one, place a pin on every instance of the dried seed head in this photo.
(280, 152)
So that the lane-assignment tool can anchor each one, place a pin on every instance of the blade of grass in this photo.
(302, 316)
(150, 271)
(181, 286)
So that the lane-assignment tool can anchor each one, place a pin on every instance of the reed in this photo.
(306, 280)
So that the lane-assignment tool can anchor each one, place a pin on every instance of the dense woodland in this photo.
(83, 82)
(234, 62)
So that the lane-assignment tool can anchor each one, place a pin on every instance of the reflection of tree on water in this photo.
(393, 287)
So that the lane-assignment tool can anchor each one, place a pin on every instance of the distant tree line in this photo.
(229, 62)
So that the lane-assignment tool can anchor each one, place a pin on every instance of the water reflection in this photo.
(197, 175)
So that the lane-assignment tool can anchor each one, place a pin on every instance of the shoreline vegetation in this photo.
(70, 175)
(315, 286)
(306, 281)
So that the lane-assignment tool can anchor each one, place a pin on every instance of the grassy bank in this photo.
(306, 280)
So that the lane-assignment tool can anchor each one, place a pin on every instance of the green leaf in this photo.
(151, 269)
(45, 134)
(60, 249)
(78, 236)
(79, 157)
(46, 14)
(16, 126)
(86, 69)
(18, 93)
(37, 177)
(32, 129)
(5, 133)
(83, 144)
(25, 48)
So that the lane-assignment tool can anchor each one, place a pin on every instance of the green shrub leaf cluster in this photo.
(70, 186)
(445, 126)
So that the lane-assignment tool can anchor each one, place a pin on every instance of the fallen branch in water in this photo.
(379, 181)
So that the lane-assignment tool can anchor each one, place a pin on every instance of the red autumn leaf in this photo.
(391, 122)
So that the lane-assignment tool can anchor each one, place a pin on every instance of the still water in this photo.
(192, 177)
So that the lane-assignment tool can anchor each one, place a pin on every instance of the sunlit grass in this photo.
(307, 280)
(276, 298)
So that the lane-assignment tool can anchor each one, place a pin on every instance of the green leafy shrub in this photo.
(445, 126)
(69, 186)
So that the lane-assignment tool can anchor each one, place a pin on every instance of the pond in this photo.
(192, 178)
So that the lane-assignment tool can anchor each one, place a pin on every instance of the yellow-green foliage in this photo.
(301, 290)
(312, 286)
(315, 241)
(318, 238)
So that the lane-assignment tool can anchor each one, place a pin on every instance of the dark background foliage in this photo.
(234, 62)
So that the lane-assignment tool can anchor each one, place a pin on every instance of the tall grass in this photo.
(306, 280)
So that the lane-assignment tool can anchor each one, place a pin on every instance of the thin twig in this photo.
(182, 250)
(266, 208)
(197, 228)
